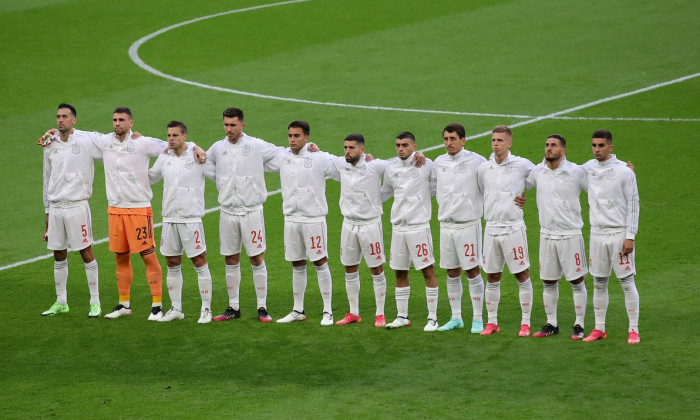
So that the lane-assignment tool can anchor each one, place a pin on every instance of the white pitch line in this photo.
(134, 55)
(554, 115)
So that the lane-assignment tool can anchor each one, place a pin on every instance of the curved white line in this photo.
(134, 55)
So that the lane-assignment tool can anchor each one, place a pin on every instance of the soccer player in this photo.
(183, 208)
(502, 179)
(69, 170)
(303, 179)
(460, 210)
(562, 252)
(411, 239)
(129, 194)
(614, 213)
(240, 177)
(361, 234)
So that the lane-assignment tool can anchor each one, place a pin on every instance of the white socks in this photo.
(580, 301)
(233, 285)
(260, 282)
(402, 295)
(476, 292)
(525, 293)
(352, 287)
(431, 295)
(325, 284)
(205, 285)
(299, 287)
(600, 301)
(379, 292)
(174, 283)
(454, 295)
(492, 296)
(631, 302)
(92, 274)
(550, 297)
(60, 276)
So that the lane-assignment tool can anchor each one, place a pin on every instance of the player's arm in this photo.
(209, 168)
(155, 173)
(631, 193)
(387, 190)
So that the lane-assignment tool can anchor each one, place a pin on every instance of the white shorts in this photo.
(606, 255)
(562, 257)
(509, 249)
(411, 246)
(460, 248)
(247, 230)
(70, 228)
(357, 241)
(305, 241)
(178, 237)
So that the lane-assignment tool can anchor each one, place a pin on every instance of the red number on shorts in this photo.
(376, 248)
(196, 237)
(624, 259)
(83, 228)
(257, 236)
(317, 243)
(467, 248)
(519, 253)
(422, 250)
(577, 257)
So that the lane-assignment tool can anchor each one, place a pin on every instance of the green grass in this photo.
(507, 57)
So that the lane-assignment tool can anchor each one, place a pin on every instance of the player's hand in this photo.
(46, 139)
(135, 135)
(627, 246)
(629, 165)
(313, 147)
(46, 231)
(418, 159)
(199, 154)
(520, 200)
(368, 157)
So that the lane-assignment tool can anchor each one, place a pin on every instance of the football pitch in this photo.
(377, 67)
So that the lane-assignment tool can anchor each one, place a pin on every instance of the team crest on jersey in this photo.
(463, 167)
(413, 173)
(564, 176)
(130, 147)
(76, 149)
(363, 171)
(308, 162)
(508, 169)
(189, 163)
(246, 150)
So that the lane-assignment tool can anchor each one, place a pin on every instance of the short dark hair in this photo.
(355, 137)
(69, 106)
(406, 135)
(603, 134)
(233, 113)
(123, 110)
(559, 137)
(456, 128)
(173, 124)
(502, 129)
(300, 124)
